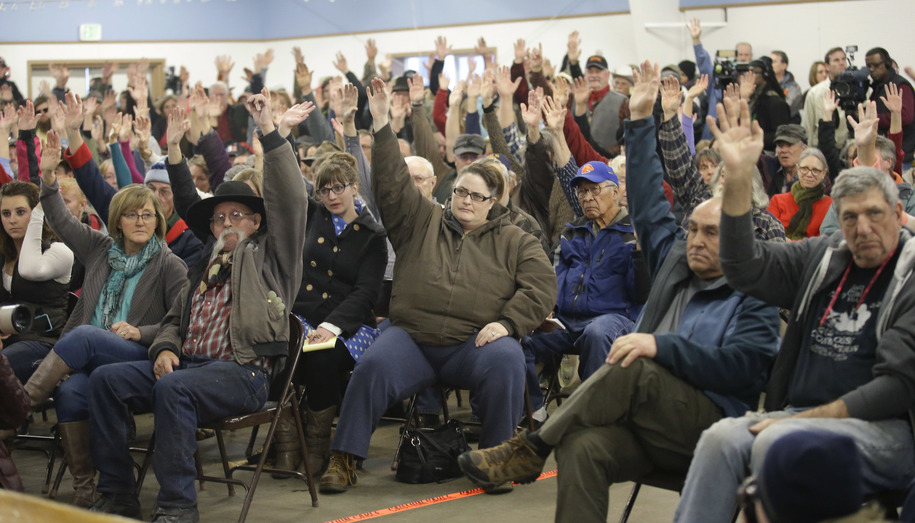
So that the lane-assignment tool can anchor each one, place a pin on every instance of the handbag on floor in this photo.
(431, 456)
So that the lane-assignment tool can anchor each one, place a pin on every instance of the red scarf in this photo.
(596, 96)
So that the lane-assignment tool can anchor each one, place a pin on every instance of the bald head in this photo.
(702, 240)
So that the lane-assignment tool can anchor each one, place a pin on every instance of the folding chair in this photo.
(659, 479)
(272, 412)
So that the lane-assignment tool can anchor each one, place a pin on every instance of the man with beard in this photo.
(214, 354)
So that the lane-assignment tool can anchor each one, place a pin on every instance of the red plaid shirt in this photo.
(208, 327)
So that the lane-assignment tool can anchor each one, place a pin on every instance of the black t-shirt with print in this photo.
(838, 355)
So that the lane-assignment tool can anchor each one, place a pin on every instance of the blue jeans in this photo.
(590, 338)
(25, 356)
(396, 368)
(908, 507)
(199, 390)
(84, 349)
(727, 450)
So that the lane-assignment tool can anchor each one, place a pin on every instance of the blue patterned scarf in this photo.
(123, 267)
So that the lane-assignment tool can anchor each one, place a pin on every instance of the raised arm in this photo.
(55, 263)
(423, 135)
(401, 203)
(179, 174)
(82, 239)
(688, 185)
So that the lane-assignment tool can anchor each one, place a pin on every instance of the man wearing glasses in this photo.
(214, 353)
(602, 279)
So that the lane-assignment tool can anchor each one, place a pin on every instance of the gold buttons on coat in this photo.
(309, 287)
(313, 264)
(324, 295)
(335, 249)
(330, 273)
(355, 226)
(321, 239)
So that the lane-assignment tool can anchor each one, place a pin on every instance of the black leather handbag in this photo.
(431, 456)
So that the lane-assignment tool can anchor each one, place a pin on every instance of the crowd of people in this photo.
(693, 244)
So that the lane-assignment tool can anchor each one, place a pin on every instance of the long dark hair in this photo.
(30, 191)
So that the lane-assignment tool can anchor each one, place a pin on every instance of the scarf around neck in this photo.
(805, 198)
(123, 267)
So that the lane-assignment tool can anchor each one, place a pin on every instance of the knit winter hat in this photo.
(809, 476)
(157, 173)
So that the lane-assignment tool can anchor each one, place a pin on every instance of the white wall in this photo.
(804, 31)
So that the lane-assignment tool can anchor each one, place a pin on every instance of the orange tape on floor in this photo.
(423, 503)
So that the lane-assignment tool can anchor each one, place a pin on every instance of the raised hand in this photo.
(72, 111)
(303, 77)
(581, 93)
(573, 47)
(114, 129)
(379, 103)
(108, 70)
(830, 103)
(561, 91)
(893, 98)
(198, 102)
(454, 99)
(258, 107)
(480, 48)
(695, 29)
(126, 130)
(399, 108)
(536, 58)
(7, 119)
(474, 86)
(416, 89)
(442, 49)
(739, 137)
(670, 97)
(520, 51)
(338, 127)
(504, 83)
(554, 113)
(443, 81)
(50, 158)
(297, 54)
(698, 88)
(142, 66)
(866, 126)
(531, 112)
(471, 67)
(224, 65)
(647, 81)
(350, 101)
(138, 89)
(747, 84)
(293, 116)
(732, 92)
(43, 87)
(336, 99)
(27, 118)
(142, 128)
(548, 69)
(178, 125)
(488, 87)
(385, 66)
(340, 63)
(91, 105)
(110, 99)
(371, 51)
(97, 130)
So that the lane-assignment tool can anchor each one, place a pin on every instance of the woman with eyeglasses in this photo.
(802, 209)
(344, 260)
(131, 281)
(467, 285)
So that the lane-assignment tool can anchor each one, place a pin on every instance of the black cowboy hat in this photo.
(199, 214)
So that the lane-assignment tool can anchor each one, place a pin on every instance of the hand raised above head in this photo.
(379, 103)
(50, 158)
(739, 137)
(27, 118)
(647, 80)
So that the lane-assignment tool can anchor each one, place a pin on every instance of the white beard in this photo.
(221, 241)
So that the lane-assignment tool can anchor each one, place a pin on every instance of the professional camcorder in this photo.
(851, 85)
(728, 69)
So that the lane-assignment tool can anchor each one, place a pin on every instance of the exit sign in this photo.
(90, 32)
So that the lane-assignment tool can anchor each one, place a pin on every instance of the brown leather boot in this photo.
(46, 377)
(287, 446)
(74, 437)
(317, 438)
(340, 475)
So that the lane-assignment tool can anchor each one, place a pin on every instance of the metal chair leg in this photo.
(631, 503)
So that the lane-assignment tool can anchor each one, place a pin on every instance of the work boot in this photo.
(286, 441)
(44, 380)
(74, 438)
(514, 460)
(340, 475)
(176, 515)
(317, 438)
(127, 505)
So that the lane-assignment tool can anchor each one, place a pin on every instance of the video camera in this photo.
(15, 319)
(727, 69)
(851, 85)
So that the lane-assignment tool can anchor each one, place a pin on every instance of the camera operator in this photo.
(882, 73)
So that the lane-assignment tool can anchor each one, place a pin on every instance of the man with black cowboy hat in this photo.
(213, 355)
(604, 105)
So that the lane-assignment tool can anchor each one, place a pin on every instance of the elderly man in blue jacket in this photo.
(700, 353)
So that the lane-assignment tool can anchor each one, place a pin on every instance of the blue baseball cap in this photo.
(596, 172)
